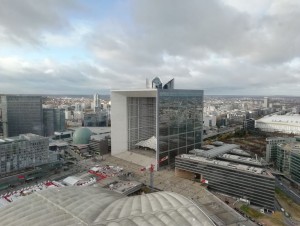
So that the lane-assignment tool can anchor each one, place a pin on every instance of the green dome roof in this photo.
(82, 136)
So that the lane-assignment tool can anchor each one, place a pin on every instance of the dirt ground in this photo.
(276, 219)
(292, 208)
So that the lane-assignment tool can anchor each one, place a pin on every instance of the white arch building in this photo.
(279, 123)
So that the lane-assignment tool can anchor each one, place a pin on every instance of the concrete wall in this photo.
(119, 131)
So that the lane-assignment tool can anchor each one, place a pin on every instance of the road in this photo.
(293, 195)
(287, 221)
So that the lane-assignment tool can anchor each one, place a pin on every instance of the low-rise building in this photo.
(20, 152)
(231, 171)
(289, 124)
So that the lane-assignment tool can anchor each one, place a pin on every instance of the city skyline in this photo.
(78, 47)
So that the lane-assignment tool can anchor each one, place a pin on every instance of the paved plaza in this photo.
(167, 181)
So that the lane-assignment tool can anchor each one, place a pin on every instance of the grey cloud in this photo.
(24, 21)
(203, 44)
(75, 78)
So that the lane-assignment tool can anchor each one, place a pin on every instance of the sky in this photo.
(225, 47)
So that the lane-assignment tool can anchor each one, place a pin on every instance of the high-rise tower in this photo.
(21, 114)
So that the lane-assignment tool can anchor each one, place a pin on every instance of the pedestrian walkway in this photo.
(166, 180)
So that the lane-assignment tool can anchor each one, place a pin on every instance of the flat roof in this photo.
(241, 159)
(27, 136)
(226, 164)
(239, 152)
(95, 130)
(136, 92)
(291, 147)
(214, 152)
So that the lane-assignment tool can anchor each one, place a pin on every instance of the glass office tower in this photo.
(179, 123)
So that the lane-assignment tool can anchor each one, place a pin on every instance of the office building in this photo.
(170, 119)
(272, 146)
(21, 114)
(231, 171)
(79, 107)
(249, 124)
(285, 154)
(266, 102)
(209, 120)
(239, 180)
(20, 152)
(98, 118)
(54, 121)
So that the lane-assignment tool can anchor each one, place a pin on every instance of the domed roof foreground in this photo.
(82, 135)
(99, 206)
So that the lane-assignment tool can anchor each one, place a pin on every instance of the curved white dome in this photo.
(99, 206)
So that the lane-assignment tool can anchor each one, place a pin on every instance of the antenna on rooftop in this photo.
(148, 86)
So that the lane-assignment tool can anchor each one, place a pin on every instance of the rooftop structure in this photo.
(240, 167)
(239, 152)
(215, 151)
(125, 187)
(242, 159)
(279, 123)
(96, 206)
(82, 135)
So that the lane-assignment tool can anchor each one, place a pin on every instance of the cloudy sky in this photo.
(86, 46)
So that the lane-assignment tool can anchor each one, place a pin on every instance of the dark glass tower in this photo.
(180, 122)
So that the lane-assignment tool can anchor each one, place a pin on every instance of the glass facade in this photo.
(141, 119)
(180, 123)
(295, 166)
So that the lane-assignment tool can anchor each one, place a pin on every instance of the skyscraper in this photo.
(96, 103)
(21, 114)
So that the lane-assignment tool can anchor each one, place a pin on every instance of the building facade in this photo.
(272, 146)
(174, 117)
(21, 114)
(54, 121)
(241, 181)
(20, 152)
(98, 118)
(284, 152)
(96, 102)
